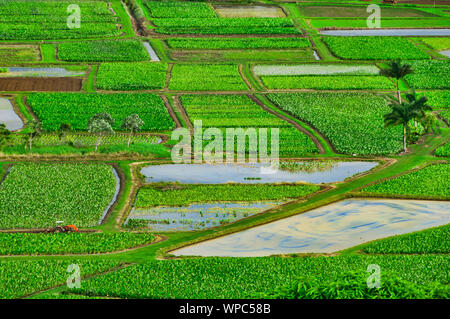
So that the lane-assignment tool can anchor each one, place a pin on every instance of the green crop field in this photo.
(38, 244)
(429, 182)
(374, 48)
(233, 111)
(351, 121)
(186, 77)
(77, 108)
(41, 20)
(136, 135)
(131, 76)
(38, 195)
(103, 51)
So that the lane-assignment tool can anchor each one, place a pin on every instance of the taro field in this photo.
(191, 149)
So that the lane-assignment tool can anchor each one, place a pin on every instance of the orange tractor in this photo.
(63, 229)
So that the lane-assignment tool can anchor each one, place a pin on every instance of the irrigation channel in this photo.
(327, 229)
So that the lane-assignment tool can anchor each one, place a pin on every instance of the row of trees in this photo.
(414, 109)
(100, 124)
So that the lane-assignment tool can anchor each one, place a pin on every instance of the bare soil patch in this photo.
(40, 84)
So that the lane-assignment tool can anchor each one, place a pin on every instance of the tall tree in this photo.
(100, 124)
(420, 104)
(401, 115)
(132, 123)
(34, 129)
(397, 70)
(5, 135)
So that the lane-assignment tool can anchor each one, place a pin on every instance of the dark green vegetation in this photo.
(77, 108)
(73, 243)
(234, 43)
(179, 195)
(353, 122)
(428, 182)
(444, 150)
(239, 111)
(42, 20)
(206, 77)
(374, 48)
(20, 278)
(425, 75)
(252, 277)
(103, 51)
(434, 240)
(131, 76)
(38, 195)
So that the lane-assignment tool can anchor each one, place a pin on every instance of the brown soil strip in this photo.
(40, 84)
(247, 82)
(171, 112)
(168, 77)
(296, 125)
(119, 195)
(183, 113)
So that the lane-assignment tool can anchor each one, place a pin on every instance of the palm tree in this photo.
(420, 104)
(133, 123)
(396, 69)
(401, 115)
(99, 124)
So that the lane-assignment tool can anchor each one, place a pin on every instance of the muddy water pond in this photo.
(40, 72)
(249, 12)
(327, 229)
(314, 69)
(307, 172)
(195, 216)
(8, 117)
(388, 32)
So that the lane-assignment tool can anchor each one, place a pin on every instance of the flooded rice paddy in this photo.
(327, 229)
(40, 72)
(307, 172)
(195, 216)
(8, 116)
(314, 69)
(113, 200)
(153, 56)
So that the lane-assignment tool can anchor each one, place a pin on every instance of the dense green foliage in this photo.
(103, 51)
(353, 285)
(72, 243)
(189, 9)
(374, 48)
(206, 77)
(179, 195)
(429, 182)
(437, 99)
(353, 122)
(437, 43)
(229, 111)
(434, 240)
(236, 43)
(131, 76)
(38, 195)
(252, 277)
(77, 108)
(433, 74)
(41, 20)
(346, 82)
(444, 150)
(19, 278)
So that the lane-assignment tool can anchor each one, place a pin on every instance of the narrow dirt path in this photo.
(183, 113)
(168, 77)
(171, 111)
(247, 82)
(296, 125)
